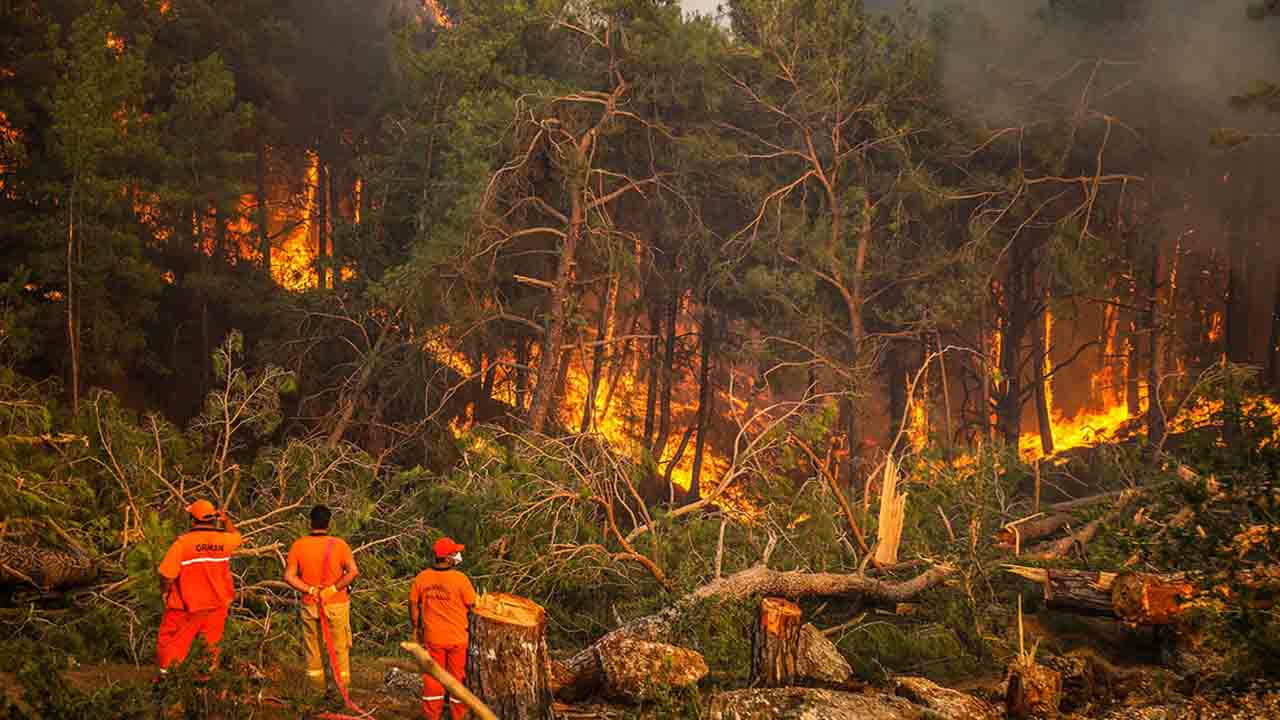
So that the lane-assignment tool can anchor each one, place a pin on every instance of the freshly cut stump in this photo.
(775, 646)
(1034, 691)
(507, 665)
(1145, 599)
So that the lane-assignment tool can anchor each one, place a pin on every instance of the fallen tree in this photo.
(1137, 598)
(572, 679)
(44, 570)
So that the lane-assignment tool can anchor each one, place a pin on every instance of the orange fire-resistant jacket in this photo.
(442, 598)
(199, 564)
(308, 554)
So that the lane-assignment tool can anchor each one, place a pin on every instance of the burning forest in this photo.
(790, 355)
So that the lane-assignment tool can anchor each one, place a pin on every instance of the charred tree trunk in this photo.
(984, 371)
(557, 320)
(322, 222)
(651, 394)
(607, 301)
(522, 371)
(1156, 425)
(507, 663)
(73, 319)
(261, 217)
(705, 397)
(775, 646)
(896, 369)
(668, 376)
(1040, 373)
(1273, 348)
(1010, 408)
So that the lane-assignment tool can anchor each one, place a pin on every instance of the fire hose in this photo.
(327, 634)
(425, 664)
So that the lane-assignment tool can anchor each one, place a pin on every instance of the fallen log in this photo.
(760, 580)
(1019, 533)
(944, 703)
(507, 663)
(1055, 549)
(1086, 592)
(1137, 598)
(573, 677)
(628, 669)
(1146, 599)
(639, 671)
(42, 569)
(775, 644)
(820, 659)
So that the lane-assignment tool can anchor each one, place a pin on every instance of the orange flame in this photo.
(437, 13)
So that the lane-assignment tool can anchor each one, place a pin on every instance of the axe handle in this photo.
(455, 688)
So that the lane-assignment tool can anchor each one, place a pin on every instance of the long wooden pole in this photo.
(456, 689)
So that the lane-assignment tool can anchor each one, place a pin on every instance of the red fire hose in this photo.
(337, 673)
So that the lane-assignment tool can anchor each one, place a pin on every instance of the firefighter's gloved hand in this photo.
(327, 592)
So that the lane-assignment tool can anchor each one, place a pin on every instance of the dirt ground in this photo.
(272, 700)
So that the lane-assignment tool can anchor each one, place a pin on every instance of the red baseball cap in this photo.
(445, 547)
(202, 510)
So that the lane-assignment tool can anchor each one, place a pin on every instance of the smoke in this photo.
(1185, 58)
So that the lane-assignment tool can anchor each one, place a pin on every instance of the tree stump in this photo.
(1034, 691)
(775, 646)
(507, 663)
(1145, 599)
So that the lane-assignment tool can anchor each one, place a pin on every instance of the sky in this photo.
(702, 6)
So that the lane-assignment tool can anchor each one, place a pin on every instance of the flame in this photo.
(1215, 327)
(292, 260)
(436, 10)
(116, 43)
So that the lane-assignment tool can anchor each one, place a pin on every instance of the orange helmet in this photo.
(202, 510)
(445, 547)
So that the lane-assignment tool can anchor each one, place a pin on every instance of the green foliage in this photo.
(721, 631)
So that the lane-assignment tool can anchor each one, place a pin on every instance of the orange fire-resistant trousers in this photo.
(454, 659)
(178, 629)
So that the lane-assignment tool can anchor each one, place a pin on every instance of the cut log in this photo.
(638, 671)
(1022, 533)
(775, 644)
(1034, 691)
(43, 569)
(945, 703)
(820, 659)
(1055, 549)
(507, 664)
(1145, 599)
(1085, 592)
(628, 669)
(809, 704)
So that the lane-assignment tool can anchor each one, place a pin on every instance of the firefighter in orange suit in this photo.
(438, 604)
(321, 566)
(198, 588)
